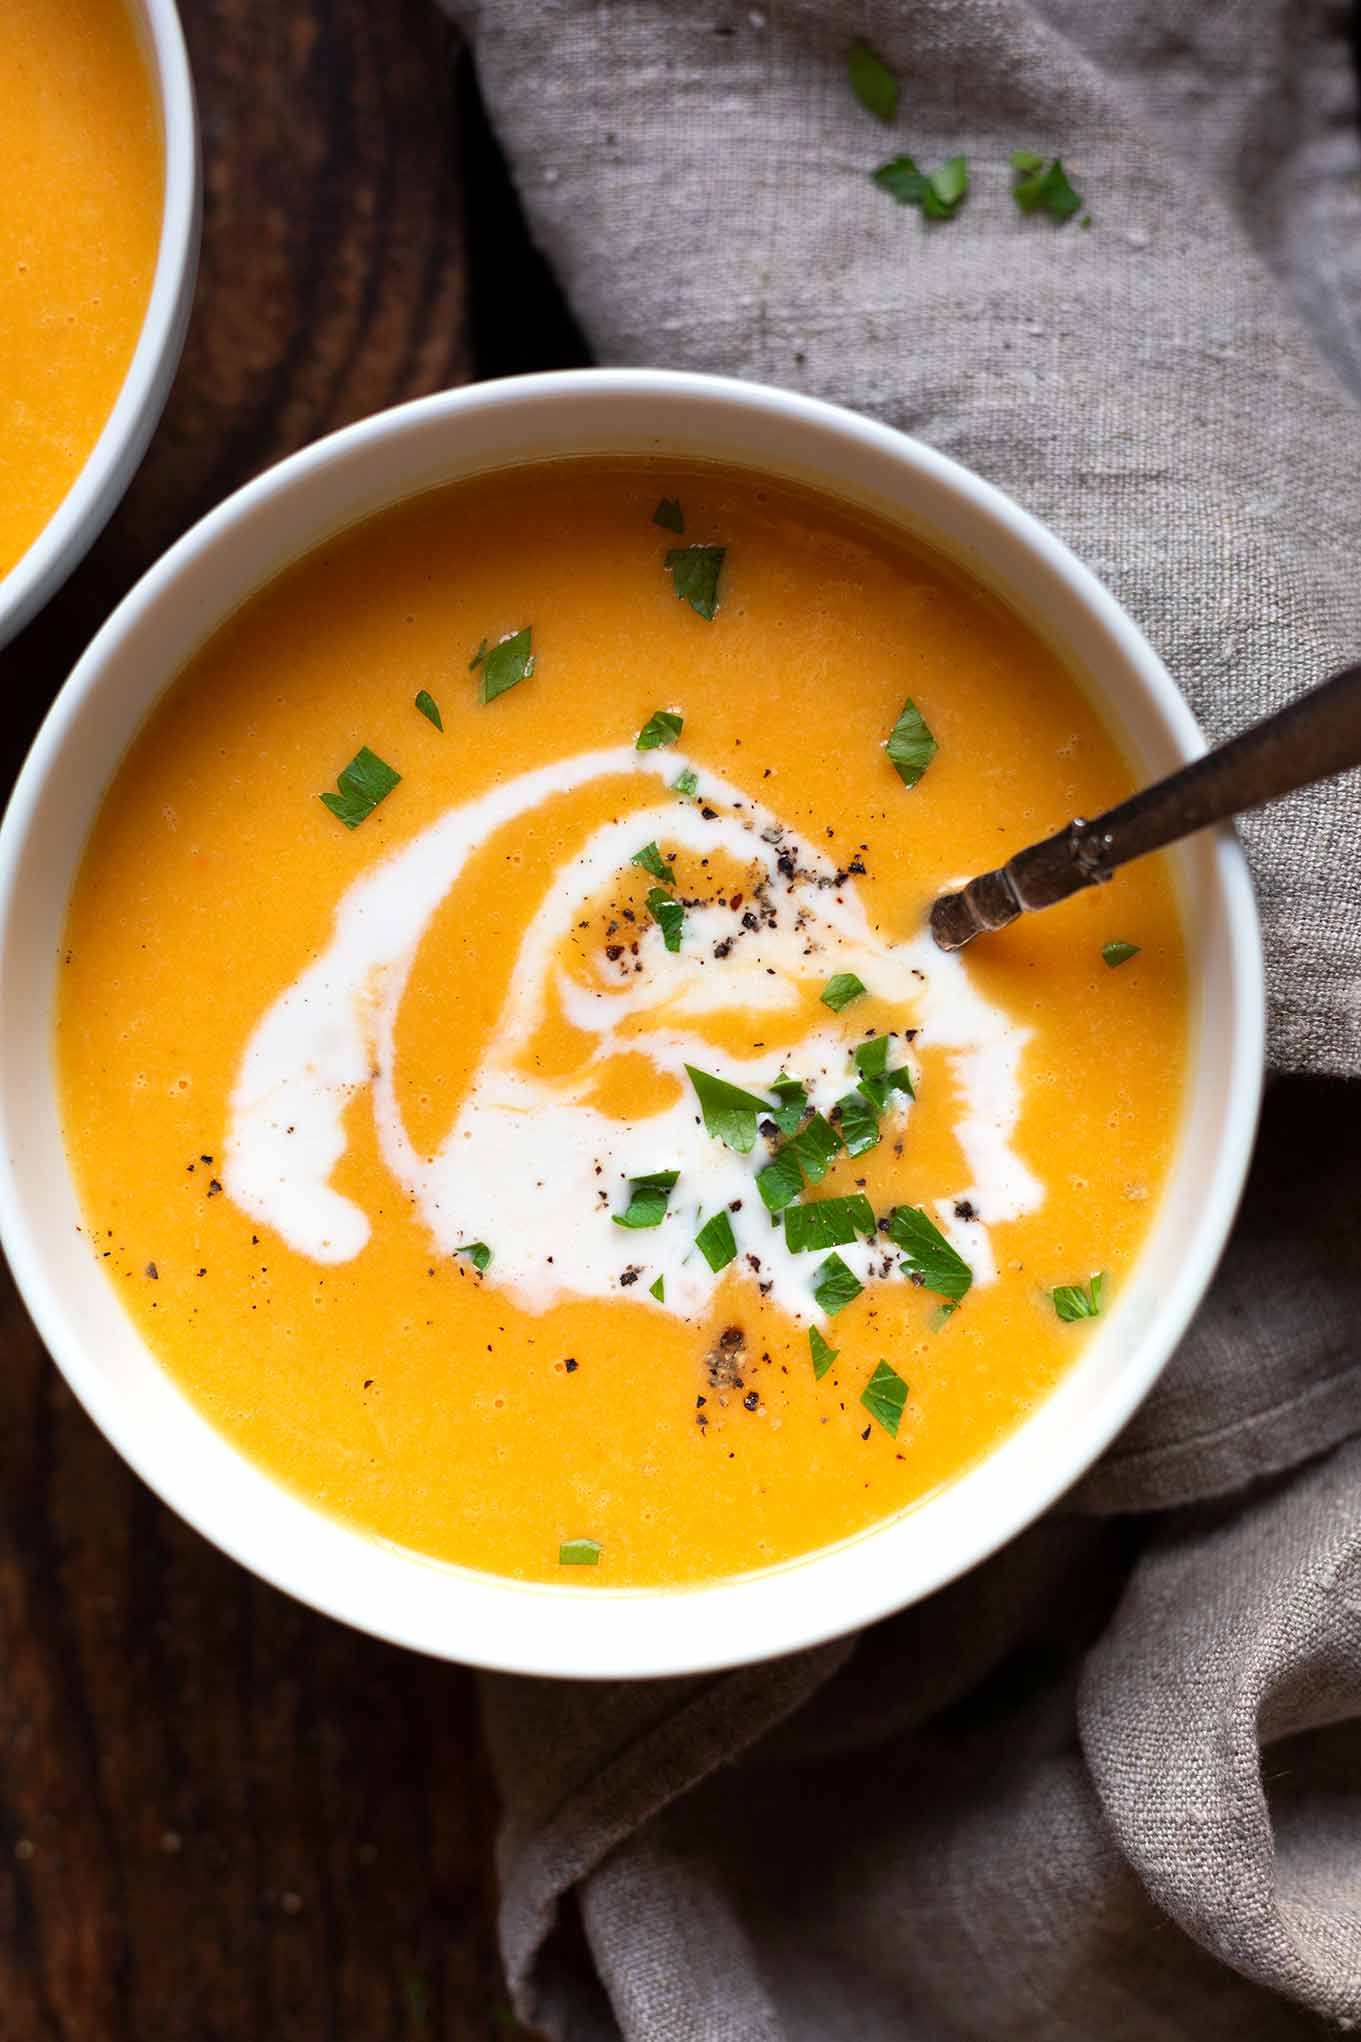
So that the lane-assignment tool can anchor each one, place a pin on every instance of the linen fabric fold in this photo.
(1107, 1784)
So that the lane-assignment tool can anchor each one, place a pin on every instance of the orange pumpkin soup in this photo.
(558, 1148)
(81, 181)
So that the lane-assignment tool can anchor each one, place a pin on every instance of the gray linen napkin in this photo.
(1110, 1784)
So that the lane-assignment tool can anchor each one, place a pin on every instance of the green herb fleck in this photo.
(416, 1991)
(1038, 185)
(841, 990)
(715, 1242)
(910, 746)
(478, 657)
(835, 1286)
(506, 664)
(429, 709)
(927, 1254)
(876, 1080)
(686, 785)
(730, 1114)
(1079, 1301)
(808, 1157)
(651, 860)
(884, 1396)
(647, 1199)
(827, 1222)
(823, 1355)
(669, 916)
(793, 1098)
(658, 1290)
(1117, 954)
(663, 726)
(669, 515)
(937, 192)
(363, 784)
(579, 1553)
(478, 1253)
(694, 570)
(858, 1123)
(873, 84)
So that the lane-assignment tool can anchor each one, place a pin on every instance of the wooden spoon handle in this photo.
(1310, 739)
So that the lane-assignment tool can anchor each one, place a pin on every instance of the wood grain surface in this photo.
(224, 1819)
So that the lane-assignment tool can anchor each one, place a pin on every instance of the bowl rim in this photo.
(740, 1620)
(113, 459)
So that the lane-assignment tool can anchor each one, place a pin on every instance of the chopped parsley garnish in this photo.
(715, 1242)
(793, 1098)
(658, 1290)
(506, 664)
(429, 709)
(827, 1222)
(478, 657)
(808, 1157)
(686, 785)
(477, 1252)
(823, 1355)
(876, 1080)
(669, 515)
(873, 84)
(1079, 1301)
(1119, 953)
(910, 746)
(1038, 185)
(579, 1553)
(730, 1114)
(647, 1199)
(835, 1286)
(858, 1123)
(694, 570)
(841, 990)
(937, 192)
(669, 916)
(884, 1396)
(663, 726)
(927, 1254)
(651, 860)
(363, 784)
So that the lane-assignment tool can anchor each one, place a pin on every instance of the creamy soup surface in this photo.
(573, 1160)
(81, 182)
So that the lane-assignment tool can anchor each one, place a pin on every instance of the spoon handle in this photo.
(1311, 739)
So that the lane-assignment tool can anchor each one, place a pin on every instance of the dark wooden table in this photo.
(224, 1819)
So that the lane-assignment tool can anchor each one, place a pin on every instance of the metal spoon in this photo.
(1311, 739)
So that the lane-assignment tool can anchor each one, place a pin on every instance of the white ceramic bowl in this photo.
(112, 461)
(591, 1630)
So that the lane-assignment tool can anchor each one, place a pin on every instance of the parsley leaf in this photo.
(937, 192)
(663, 726)
(793, 1098)
(685, 784)
(1039, 185)
(730, 1114)
(884, 1396)
(1118, 953)
(429, 709)
(876, 1080)
(808, 1156)
(363, 784)
(658, 1290)
(669, 916)
(1079, 1301)
(669, 515)
(835, 1286)
(827, 1222)
(647, 1199)
(927, 1253)
(841, 990)
(506, 664)
(823, 1355)
(651, 860)
(694, 569)
(579, 1553)
(715, 1242)
(910, 746)
(478, 657)
(859, 1123)
(873, 84)
(478, 1253)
